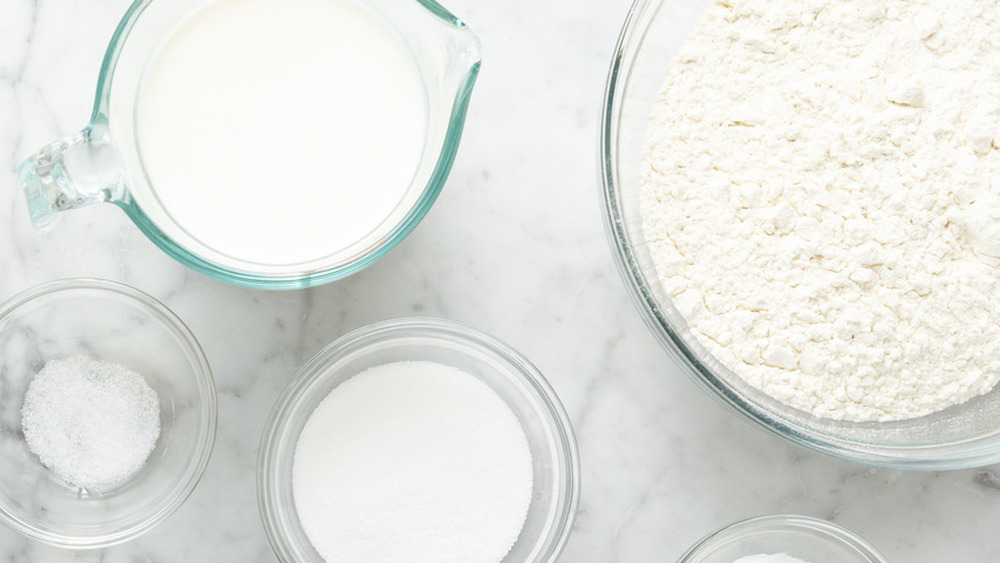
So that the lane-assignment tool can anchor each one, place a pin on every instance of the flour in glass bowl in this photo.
(821, 201)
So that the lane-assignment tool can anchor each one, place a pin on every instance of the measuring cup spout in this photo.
(73, 172)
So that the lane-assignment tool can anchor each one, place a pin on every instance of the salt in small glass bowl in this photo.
(808, 539)
(113, 322)
(555, 461)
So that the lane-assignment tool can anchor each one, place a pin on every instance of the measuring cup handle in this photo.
(73, 172)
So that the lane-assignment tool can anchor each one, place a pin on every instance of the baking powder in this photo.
(769, 558)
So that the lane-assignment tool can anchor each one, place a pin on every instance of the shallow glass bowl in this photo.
(116, 323)
(555, 461)
(807, 539)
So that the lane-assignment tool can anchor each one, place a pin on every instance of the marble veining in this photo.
(515, 247)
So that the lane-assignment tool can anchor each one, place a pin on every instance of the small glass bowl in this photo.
(113, 322)
(554, 454)
(808, 539)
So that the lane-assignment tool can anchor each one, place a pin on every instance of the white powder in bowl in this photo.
(821, 201)
(769, 558)
(412, 461)
(92, 422)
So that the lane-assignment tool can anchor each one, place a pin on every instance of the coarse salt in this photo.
(92, 422)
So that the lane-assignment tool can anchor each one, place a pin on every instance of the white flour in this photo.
(821, 199)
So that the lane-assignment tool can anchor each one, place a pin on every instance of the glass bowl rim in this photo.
(285, 408)
(207, 393)
(789, 523)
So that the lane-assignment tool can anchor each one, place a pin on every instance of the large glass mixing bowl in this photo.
(965, 435)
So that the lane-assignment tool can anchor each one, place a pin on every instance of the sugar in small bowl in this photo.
(782, 538)
(420, 440)
(146, 413)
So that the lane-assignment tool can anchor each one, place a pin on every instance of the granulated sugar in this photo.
(412, 461)
(92, 422)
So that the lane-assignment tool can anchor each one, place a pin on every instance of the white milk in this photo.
(281, 131)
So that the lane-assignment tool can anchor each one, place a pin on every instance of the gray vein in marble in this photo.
(605, 371)
(15, 79)
(987, 478)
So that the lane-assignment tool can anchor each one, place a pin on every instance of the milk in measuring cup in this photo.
(281, 131)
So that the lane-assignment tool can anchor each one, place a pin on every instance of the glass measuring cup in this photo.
(103, 163)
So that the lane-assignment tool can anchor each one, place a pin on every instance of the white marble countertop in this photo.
(514, 246)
